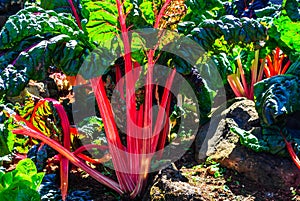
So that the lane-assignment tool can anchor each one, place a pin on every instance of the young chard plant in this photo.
(21, 183)
(238, 82)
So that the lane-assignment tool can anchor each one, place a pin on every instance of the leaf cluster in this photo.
(21, 183)
(34, 39)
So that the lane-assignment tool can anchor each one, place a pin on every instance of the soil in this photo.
(229, 185)
(188, 179)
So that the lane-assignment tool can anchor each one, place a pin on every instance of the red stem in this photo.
(161, 13)
(75, 14)
(28, 129)
(64, 163)
(116, 148)
(78, 152)
(291, 152)
(286, 66)
(270, 65)
(164, 133)
(163, 106)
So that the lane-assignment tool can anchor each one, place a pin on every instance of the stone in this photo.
(170, 184)
(215, 140)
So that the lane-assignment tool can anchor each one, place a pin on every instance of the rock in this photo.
(216, 141)
(263, 168)
(170, 184)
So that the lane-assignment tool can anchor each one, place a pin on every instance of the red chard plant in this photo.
(146, 129)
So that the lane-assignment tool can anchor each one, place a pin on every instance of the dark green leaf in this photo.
(249, 140)
(292, 8)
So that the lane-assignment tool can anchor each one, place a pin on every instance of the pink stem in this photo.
(75, 14)
(28, 129)
(161, 13)
(116, 148)
(64, 162)
(161, 116)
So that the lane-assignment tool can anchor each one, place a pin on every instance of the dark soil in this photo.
(230, 185)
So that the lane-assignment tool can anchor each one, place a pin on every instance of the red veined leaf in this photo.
(29, 129)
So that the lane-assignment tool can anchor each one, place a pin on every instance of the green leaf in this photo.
(249, 140)
(289, 32)
(34, 39)
(37, 180)
(6, 137)
(292, 8)
(21, 183)
(26, 167)
(103, 20)
(28, 195)
(7, 179)
(147, 10)
(235, 31)
(276, 97)
(34, 21)
(199, 10)
(17, 194)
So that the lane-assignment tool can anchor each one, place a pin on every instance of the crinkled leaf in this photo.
(248, 8)
(12, 81)
(235, 31)
(93, 128)
(34, 39)
(287, 31)
(62, 6)
(33, 21)
(292, 8)
(199, 10)
(269, 11)
(276, 97)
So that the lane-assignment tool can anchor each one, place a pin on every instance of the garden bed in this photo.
(149, 100)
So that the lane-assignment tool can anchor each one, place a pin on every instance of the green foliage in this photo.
(61, 6)
(199, 10)
(292, 8)
(294, 69)
(6, 136)
(268, 12)
(102, 23)
(42, 115)
(37, 21)
(21, 184)
(286, 33)
(34, 39)
(235, 31)
(249, 140)
(147, 11)
(141, 14)
(225, 65)
(275, 99)
(91, 130)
